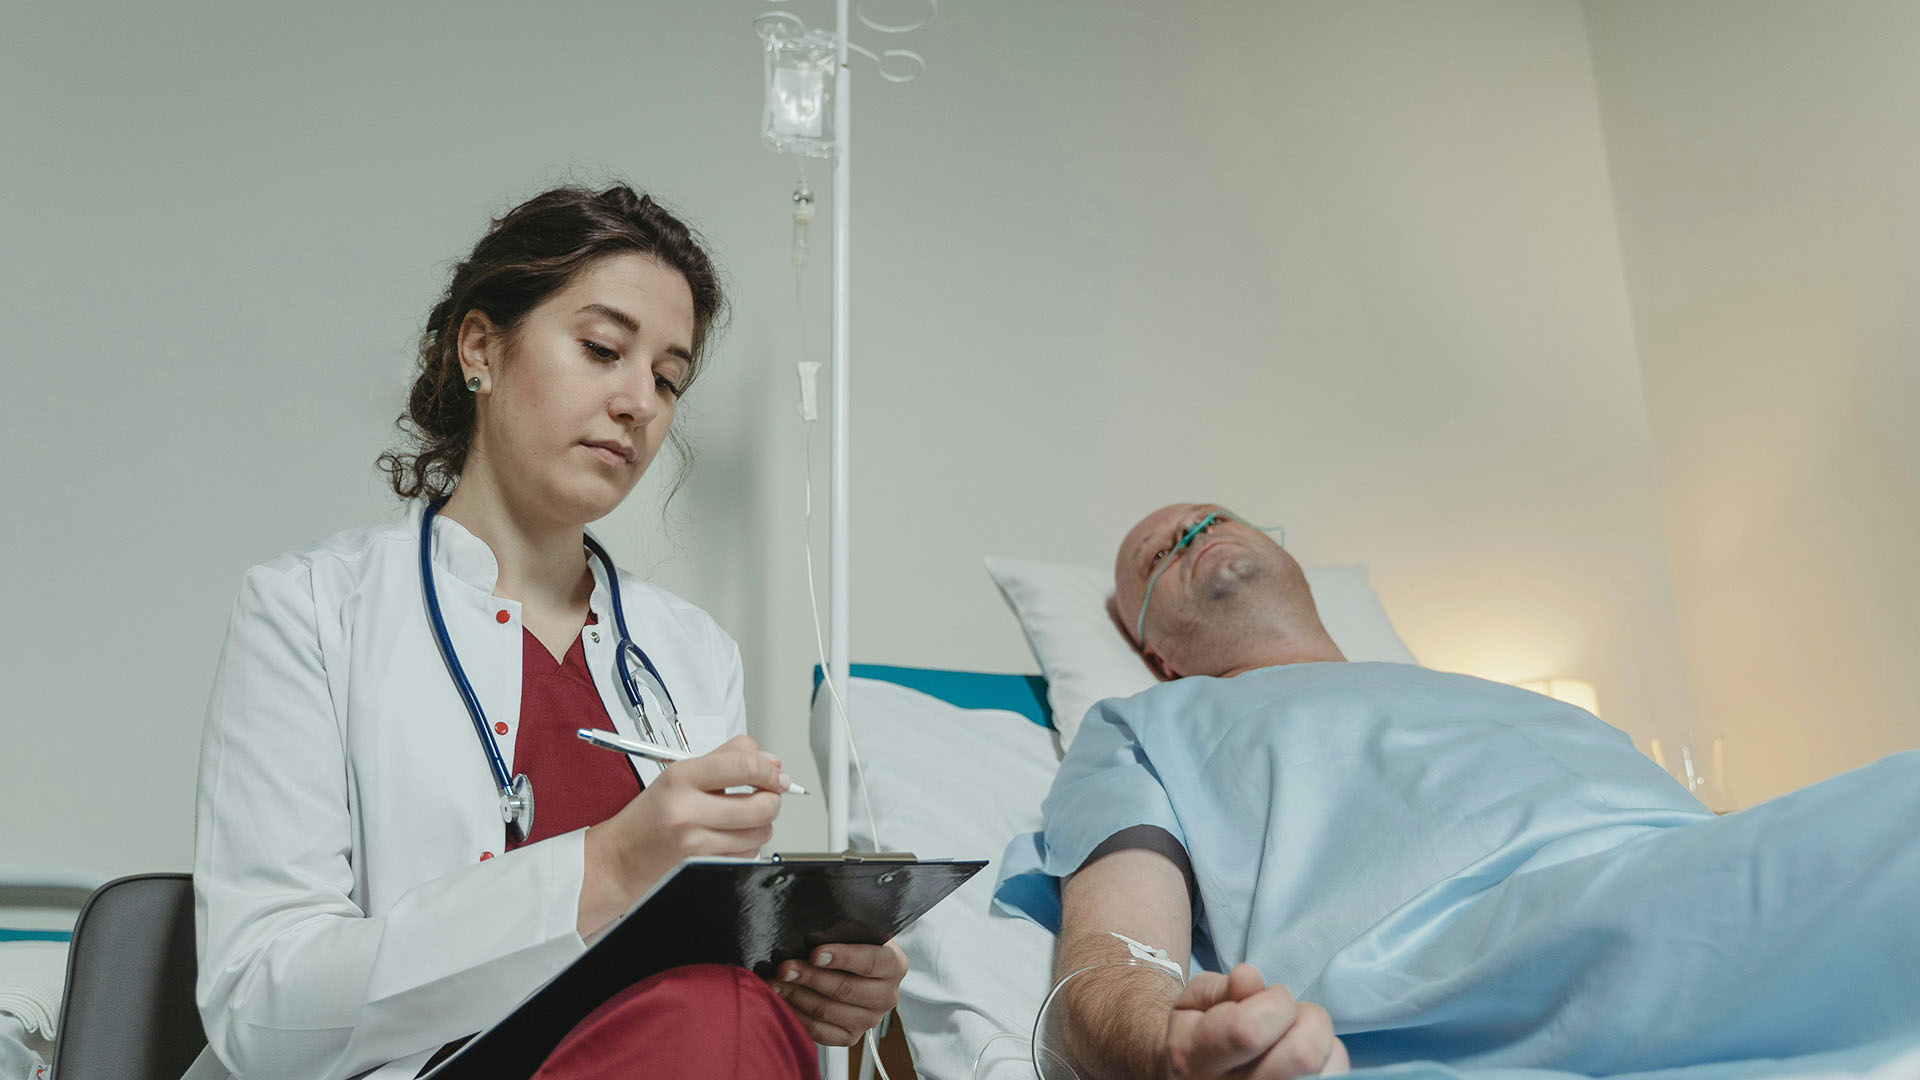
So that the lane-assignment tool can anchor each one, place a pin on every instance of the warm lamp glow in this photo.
(1575, 692)
(1701, 768)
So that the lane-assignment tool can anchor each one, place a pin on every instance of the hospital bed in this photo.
(38, 906)
(956, 763)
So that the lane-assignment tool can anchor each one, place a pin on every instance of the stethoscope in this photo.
(516, 792)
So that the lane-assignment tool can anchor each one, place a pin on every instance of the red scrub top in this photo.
(575, 784)
(692, 1023)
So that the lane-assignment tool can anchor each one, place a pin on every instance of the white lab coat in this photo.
(354, 903)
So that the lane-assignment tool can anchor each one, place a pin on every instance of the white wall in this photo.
(1348, 267)
(1765, 161)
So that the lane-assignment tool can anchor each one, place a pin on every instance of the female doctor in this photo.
(369, 889)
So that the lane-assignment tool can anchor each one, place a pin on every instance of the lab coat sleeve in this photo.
(295, 978)
(734, 702)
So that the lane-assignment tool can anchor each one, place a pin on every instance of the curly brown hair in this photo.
(526, 256)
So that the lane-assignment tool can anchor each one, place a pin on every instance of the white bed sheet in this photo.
(952, 782)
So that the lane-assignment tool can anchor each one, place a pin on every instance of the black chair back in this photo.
(128, 1012)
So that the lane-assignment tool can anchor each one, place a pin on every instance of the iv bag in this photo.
(797, 117)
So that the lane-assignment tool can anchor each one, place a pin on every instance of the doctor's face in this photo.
(576, 402)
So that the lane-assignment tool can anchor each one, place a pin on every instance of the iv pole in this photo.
(839, 557)
(839, 528)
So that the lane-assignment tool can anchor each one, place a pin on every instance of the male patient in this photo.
(1450, 869)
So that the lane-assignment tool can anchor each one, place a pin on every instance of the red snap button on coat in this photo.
(499, 727)
(485, 855)
(503, 617)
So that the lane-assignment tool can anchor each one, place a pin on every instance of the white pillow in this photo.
(960, 783)
(1066, 613)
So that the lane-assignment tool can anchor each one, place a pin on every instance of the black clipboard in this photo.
(754, 914)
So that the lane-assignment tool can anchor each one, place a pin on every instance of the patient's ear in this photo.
(1159, 665)
(1154, 663)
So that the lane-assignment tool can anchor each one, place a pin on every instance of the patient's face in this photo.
(1201, 581)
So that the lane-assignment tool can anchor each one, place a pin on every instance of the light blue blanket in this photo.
(1468, 873)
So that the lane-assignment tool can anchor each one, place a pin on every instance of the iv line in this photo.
(802, 216)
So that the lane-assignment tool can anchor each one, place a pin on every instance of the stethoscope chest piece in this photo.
(516, 808)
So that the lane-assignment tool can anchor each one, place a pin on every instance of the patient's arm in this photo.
(1117, 1017)
(1129, 1022)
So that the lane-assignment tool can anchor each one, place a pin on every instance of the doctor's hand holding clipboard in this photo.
(844, 989)
(398, 839)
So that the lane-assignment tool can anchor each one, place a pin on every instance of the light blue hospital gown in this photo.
(1463, 871)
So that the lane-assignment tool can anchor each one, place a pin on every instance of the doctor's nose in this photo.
(637, 404)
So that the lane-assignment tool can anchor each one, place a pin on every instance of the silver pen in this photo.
(611, 740)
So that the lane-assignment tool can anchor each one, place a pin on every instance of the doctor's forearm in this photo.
(605, 893)
(620, 869)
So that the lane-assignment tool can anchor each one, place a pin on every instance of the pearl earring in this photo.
(473, 384)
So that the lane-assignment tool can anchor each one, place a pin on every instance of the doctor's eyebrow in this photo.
(627, 322)
(632, 326)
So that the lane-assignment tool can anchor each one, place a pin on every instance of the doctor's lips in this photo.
(620, 450)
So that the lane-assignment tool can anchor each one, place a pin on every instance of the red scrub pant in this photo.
(702, 1022)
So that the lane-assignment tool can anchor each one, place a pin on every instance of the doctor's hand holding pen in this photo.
(844, 990)
(684, 813)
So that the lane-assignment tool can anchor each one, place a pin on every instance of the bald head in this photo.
(1230, 600)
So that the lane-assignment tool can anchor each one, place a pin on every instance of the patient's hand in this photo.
(844, 991)
(1236, 1024)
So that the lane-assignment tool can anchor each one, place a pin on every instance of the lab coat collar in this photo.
(601, 602)
(468, 559)
(458, 552)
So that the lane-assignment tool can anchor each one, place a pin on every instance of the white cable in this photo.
(982, 1055)
(803, 216)
(820, 647)
(873, 1055)
(813, 598)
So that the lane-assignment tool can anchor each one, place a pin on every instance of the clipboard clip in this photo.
(849, 857)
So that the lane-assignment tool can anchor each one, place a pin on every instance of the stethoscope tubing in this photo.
(511, 786)
(499, 764)
(626, 640)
